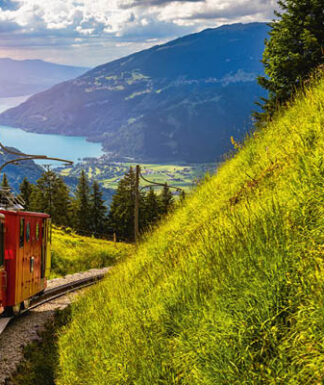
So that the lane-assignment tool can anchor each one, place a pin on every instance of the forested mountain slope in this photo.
(229, 289)
(178, 101)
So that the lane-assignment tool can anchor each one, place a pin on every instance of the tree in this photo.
(152, 208)
(182, 196)
(295, 48)
(5, 183)
(121, 215)
(122, 208)
(51, 195)
(82, 205)
(26, 190)
(98, 210)
(166, 200)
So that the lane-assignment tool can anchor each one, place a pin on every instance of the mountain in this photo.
(229, 288)
(180, 101)
(26, 77)
(16, 173)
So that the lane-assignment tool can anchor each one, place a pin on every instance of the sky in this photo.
(92, 32)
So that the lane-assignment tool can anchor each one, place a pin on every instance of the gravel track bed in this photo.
(26, 329)
(74, 277)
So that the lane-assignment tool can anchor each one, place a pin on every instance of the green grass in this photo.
(229, 289)
(72, 253)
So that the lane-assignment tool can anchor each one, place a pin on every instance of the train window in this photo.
(22, 232)
(28, 232)
(37, 231)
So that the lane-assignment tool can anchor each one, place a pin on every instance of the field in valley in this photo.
(110, 173)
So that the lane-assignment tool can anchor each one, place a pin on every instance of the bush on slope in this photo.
(228, 290)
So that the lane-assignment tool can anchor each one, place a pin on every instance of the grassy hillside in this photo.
(72, 253)
(229, 290)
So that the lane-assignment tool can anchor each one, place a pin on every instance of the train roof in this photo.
(24, 213)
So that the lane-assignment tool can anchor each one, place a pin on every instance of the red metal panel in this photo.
(22, 264)
(3, 284)
(3, 274)
(11, 240)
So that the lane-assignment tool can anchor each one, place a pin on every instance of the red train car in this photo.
(24, 257)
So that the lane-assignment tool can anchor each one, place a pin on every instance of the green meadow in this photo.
(229, 288)
(72, 253)
(109, 173)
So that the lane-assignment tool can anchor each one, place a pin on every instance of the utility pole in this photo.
(139, 175)
(136, 206)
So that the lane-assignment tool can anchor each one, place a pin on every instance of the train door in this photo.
(28, 262)
(46, 252)
(35, 260)
(38, 252)
(3, 276)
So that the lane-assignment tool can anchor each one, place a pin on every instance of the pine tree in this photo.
(294, 50)
(62, 203)
(182, 196)
(152, 208)
(82, 205)
(98, 210)
(26, 190)
(121, 215)
(51, 195)
(5, 183)
(166, 200)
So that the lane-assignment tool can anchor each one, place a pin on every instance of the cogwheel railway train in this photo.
(24, 258)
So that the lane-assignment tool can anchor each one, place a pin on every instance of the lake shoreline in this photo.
(74, 148)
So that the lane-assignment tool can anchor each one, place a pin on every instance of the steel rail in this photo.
(51, 294)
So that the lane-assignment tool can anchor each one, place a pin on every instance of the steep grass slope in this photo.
(229, 290)
(72, 253)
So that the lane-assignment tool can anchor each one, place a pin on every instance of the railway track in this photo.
(51, 294)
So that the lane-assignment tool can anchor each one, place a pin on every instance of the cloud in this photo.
(144, 3)
(61, 22)
(218, 11)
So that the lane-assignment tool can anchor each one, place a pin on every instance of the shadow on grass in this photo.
(41, 357)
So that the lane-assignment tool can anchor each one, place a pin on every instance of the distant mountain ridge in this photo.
(17, 172)
(180, 101)
(26, 77)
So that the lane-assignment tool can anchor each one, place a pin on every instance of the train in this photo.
(25, 258)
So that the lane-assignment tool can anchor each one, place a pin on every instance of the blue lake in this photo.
(73, 148)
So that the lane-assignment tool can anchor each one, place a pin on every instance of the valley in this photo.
(88, 156)
(171, 108)
(108, 173)
(195, 191)
(177, 102)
